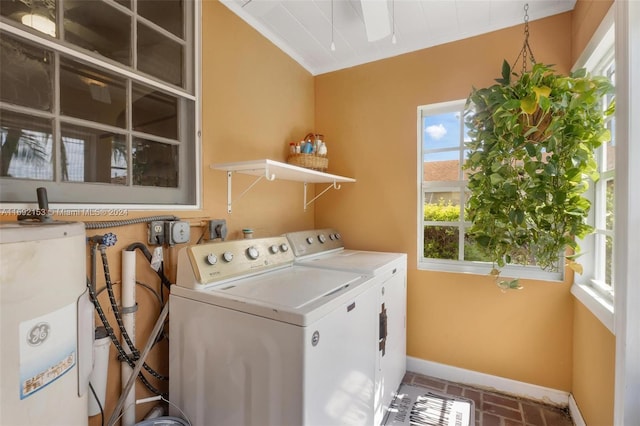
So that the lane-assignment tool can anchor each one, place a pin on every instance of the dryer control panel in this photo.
(202, 264)
(315, 241)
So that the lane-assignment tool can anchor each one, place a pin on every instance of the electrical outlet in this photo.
(156, 232)
(177, 232)
(217, 229)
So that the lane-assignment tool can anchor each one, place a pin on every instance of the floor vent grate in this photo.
(416, 406)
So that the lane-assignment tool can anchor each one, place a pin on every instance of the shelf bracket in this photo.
(267, 176)
(334, 185)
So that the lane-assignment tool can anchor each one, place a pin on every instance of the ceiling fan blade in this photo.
(376, 19)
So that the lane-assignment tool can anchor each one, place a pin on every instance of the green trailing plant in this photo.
(531, 150)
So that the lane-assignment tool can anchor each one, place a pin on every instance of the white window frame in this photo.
(459, 266)
(192, 93)
(596, 296)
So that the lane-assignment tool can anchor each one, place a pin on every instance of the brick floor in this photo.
(495, 409)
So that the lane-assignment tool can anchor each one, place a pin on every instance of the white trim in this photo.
(488, 381)
(627, 217)
(574, 410)
(600, 42)
(600, 307)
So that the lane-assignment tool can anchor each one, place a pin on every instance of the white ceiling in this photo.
(303, 28)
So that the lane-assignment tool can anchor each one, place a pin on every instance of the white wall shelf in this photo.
(272, 170)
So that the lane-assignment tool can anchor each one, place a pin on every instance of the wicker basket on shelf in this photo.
(309, 161)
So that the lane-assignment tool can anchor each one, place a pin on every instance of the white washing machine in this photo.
(257, 340)
(324, 248)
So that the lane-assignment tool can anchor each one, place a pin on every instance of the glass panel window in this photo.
(159, 56)
(98, 27)
(154, 112)
(91, 94)
(155, 164)
(27, 146)
(446, 245)
(105, 107)
(90, 155)
(27, 74)
(36, 15)
(165, 13)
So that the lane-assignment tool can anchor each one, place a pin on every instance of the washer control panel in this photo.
(218, 261)
(314, 241)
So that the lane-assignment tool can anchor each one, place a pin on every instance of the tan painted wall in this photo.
(593, 367)
(593, 344)
(587, 15)
(369, 117)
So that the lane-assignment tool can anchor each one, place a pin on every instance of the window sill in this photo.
(600, 307)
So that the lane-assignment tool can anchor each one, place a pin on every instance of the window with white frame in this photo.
(444, 244)
(596, 286)
(98, 101)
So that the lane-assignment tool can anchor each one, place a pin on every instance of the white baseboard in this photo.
(488, 381)
(576, 415)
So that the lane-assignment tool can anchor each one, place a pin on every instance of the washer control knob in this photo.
(309, 240)
(332, 237)
(338, 236)
(227, 256)
(253, 253)
(211, 259)
(273, 249)
(284, 247)
(322, 238)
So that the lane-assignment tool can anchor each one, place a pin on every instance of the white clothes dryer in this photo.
(324, 248)
(258, 340)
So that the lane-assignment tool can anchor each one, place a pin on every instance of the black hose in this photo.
(116, 312)
(145, 251)
(116, 343)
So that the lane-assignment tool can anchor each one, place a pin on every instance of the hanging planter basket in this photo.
(531, 150)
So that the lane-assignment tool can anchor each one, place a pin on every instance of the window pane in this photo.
(154, 112)
(125, 3)
(26, 74)
(91, 94)
(90, 155)
(37, 14)
(473, 251)
(610, 205)
(442, 206)
(442, 170)
(441, 242)
(441, 131)
(155, 164)
(608, 267)
(27, 146)
(166, 13)
(98, 27)
(159, 56)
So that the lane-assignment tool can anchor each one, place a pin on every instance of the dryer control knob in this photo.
(322, 238)
(227, 256)
(309, 240)
(253, 253)
(273, 249)
(284, 247)
(211, 259)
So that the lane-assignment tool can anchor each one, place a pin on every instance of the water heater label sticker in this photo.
(47, 349)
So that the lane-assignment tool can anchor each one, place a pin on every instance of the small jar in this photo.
(248, 233)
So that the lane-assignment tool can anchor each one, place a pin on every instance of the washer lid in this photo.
(366, 262)
(290, 288)
(298, 295)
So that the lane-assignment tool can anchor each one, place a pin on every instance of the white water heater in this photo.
(46, 324)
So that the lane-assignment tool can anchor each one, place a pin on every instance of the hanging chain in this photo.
(526, 49)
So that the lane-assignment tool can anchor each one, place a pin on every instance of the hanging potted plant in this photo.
(531, 150)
